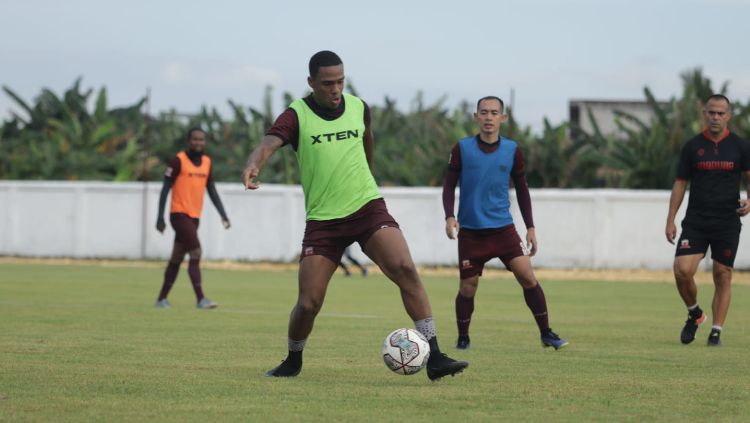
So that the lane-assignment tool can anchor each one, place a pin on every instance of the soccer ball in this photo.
(405, 351)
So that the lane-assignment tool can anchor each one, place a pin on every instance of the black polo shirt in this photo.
(714, 170)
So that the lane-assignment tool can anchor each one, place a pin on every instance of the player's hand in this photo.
(531, 241)
(671, 232)
(451, 227)
(248, 177)
(226, 223)
(160, 225)
(743, 207)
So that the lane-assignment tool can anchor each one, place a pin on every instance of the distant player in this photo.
(350, 258)
(331, 134)
(484, 164)
(713, 162)
(188, 176)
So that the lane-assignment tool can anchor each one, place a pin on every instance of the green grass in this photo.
(83, 343)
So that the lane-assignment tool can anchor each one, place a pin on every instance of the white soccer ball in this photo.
(405, 351)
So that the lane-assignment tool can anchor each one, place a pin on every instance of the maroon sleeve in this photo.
(173, 169)
(286, 127)
(518, 173)
(367, 115)
(452, 174)
(367, 141)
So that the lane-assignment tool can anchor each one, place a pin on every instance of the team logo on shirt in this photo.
(715, 165)
(701, 152)
(335, 136)
(685, 244)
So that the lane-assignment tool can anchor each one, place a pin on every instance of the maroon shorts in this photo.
(475, 248)
(329, 238)
(185, 230)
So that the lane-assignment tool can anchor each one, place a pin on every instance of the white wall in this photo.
(575, 228)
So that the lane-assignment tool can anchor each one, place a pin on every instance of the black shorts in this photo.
(722, 240)
(329, 238)
(185, 230)
(475, 248)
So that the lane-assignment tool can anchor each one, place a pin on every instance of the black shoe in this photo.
(285, 369)
(714, 338)
(442, 365)
(691, 325)
(463, 342)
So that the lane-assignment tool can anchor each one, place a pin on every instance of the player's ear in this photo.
(310, 81)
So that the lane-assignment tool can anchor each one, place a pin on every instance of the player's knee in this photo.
(468, 291)
(403, 270)
(722, 274)
(681, 272)
(195, 254)
(470, 283)
(527, 283)
(309, 306)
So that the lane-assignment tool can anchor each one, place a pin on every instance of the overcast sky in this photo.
(548, 51)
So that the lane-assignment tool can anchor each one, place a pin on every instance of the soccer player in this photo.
(712, 162)
(330, 132)
(484, 164)
(188, 176)
(351, 259)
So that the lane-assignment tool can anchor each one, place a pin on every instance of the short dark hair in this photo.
(323, 58)
(719, 97)
(191, 130)
(492, 97)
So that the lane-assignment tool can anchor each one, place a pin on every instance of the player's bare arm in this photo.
(675, 200)
(743, 208)
(451, 227)
(258, 158)
(369, 143)
(531, 241)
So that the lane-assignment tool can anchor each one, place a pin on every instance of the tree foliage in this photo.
(77, 136)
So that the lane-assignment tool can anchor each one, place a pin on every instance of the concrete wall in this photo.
(575, 228)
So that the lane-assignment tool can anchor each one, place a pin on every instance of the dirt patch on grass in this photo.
(625, 275)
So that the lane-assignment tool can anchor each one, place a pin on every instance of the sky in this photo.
(546, 52)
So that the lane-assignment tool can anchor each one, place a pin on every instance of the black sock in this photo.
(295, 357)
(695, 313)
(434, 349)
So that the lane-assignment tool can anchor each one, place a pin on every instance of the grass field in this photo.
(82, 342)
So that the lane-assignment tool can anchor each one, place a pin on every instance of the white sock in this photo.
(693, 307)
(716, 327)
(426, 327)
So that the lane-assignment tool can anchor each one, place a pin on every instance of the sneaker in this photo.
(463, 342)
(206, 304)
(162, 304)
(285, 369)
(442, 365)
(714, 338)
(691, 325)
(550, 339)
